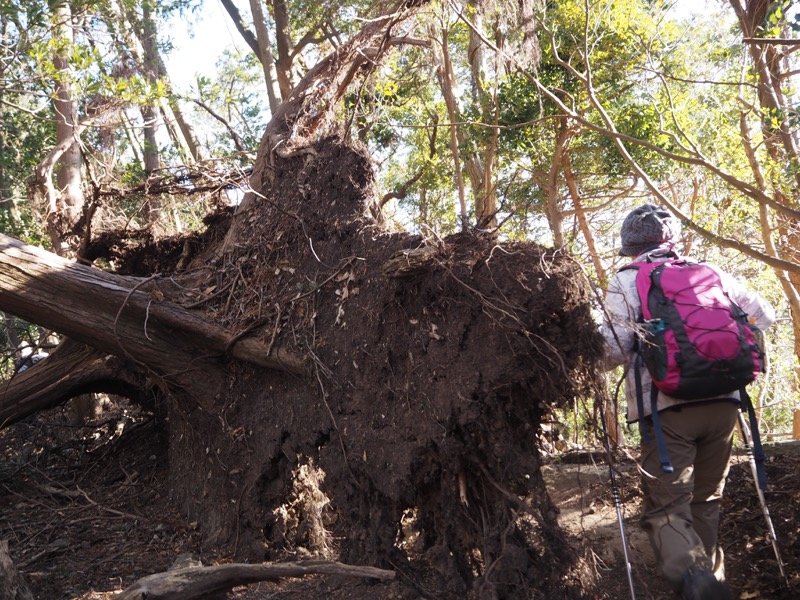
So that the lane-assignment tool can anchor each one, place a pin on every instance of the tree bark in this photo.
(247, 35)
(551, 185)
(186, 128)
(264, 54)
(447, 83)
(283, 40)
(71, 370)
(176, 132)
(480, 164)
(580, 215)
(781, 146)
(65, 202)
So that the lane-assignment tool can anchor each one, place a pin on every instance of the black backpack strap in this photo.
(758, 449)
(661, 444)
(637, 379)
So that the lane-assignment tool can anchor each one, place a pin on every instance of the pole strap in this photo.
(758, 449)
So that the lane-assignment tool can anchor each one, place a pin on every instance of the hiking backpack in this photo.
(695, 341)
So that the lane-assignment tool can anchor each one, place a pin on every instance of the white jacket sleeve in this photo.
(760, 312)
(622, 312)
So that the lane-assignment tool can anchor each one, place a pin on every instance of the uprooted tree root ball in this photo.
(329, 388)
(411, 441)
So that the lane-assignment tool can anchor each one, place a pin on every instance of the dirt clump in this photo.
(420, 418)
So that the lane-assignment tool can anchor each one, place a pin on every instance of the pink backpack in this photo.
(697, 343)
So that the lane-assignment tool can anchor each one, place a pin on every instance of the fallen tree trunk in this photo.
(116, 314)
(198, 582)
(124, 317)
(72, 369)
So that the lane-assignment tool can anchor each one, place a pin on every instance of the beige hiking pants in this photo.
(681, 509)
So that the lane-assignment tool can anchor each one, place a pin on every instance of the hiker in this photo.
(681, 509)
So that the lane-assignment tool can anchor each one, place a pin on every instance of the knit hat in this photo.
(647, 227)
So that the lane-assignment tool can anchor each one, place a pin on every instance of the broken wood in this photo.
(197, 582)
(409, 262)
(12, 585)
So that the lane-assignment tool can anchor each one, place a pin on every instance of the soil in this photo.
(88, 510)
(414, 431)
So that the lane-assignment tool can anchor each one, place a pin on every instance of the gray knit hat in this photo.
(647, 227)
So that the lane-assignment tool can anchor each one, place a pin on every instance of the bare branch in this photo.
(608, 129)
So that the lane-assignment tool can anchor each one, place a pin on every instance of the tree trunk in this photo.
(241, 26)
(447, 84)
(129, 25)
(264, 54)
(551, 184)
(6, 200)
(150, 60)
(781, 146)
(65, 202)
(283, 40)
(69, 371)
(580, 215)
(176, 132)
(10, 330)
(196, 149)
(480, 161)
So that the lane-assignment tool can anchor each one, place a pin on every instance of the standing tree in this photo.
(64, 199)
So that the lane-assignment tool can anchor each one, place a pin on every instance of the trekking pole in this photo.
(760, 492)
(618, 505)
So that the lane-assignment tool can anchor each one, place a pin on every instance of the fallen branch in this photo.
(197, 582)
(72, 369)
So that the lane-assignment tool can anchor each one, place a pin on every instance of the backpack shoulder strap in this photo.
(650, 259)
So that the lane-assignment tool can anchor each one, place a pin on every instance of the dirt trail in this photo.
(580, 486)
(122, 525)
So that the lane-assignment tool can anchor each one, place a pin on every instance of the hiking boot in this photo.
(700, 584)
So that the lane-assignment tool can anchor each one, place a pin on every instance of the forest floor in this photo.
(87, 511)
